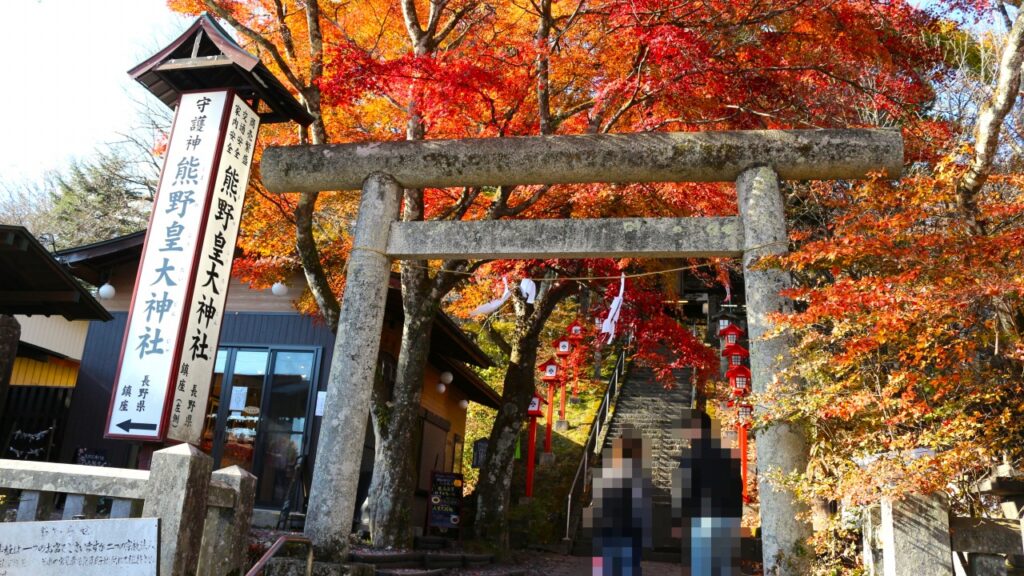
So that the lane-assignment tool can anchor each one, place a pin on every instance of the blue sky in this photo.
(52, 47)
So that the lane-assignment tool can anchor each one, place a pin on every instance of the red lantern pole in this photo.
(551, 414)
(561, 409)
(531, 456)
(743, 459)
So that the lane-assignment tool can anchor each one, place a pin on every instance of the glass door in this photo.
(283, 426)
(241, 407)
(259, 415)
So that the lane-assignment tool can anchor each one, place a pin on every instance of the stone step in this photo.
(421, 560)
(281, 566)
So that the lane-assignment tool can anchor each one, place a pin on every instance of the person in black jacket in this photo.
(707, 499)
(621, 515)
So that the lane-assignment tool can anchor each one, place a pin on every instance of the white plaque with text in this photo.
(121, 547)
(154, 336)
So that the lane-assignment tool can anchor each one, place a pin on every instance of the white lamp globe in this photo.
(463, 403)
(106, 292)
(441, 387)
(447, 377)
(279, 289)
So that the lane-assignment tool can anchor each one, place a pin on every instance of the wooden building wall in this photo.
(55, 333)
(103, 347)
(55, 373)
(35, 410)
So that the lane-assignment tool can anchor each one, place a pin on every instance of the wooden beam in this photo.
(605, 238)
(22, 297)
(985, 535)
(193, 63)
(600, 158)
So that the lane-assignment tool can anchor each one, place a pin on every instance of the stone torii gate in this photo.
(754, 160)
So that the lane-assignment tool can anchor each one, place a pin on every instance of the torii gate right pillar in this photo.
(780, 447)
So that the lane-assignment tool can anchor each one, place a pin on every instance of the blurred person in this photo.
(621, 515)
(707, 499)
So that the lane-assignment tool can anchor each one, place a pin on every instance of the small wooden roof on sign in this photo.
(33, 282)
(205, 57)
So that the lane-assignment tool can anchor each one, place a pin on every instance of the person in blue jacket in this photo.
(707, 499)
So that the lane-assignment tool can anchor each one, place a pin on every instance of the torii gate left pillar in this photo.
(754, 160)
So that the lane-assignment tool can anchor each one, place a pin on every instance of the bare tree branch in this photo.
(260, 40)
(498, 339)
(412, 25)
(990, 121)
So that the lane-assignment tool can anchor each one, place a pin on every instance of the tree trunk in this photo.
(492, 492)
(399, 430)
(10, 334)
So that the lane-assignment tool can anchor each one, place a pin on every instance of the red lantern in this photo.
(746, 412)
(735, 353)
(536, 404)
(731, 333)
(739, 380)
(549, 370)
(574, 331)
(563, 347)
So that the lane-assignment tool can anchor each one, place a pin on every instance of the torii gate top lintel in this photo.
(603, 158)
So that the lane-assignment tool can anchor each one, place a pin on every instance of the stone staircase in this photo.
(645, 404)
(367, 563)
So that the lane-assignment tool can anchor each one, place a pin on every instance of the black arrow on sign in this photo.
(128, 426)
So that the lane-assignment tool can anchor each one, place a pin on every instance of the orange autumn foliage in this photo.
(899, 342)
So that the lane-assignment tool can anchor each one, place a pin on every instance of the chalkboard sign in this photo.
(445, 500)
(91, 457)
(479, 452)
(29, 445)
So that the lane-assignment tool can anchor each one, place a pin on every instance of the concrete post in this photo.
(915, 536)
(125, 508)
(34, 505)
(226, 533)
(872, 541)
(343, 427)
(179, 480)
(80, 505)
(979, 564)
(779, 447)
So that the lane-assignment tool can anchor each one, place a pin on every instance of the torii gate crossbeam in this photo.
(754, 160)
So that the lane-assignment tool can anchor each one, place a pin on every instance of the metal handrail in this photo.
(596, 427)
(278, 544)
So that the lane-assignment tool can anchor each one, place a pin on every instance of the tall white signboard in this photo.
(206, 309)
(155, 335)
